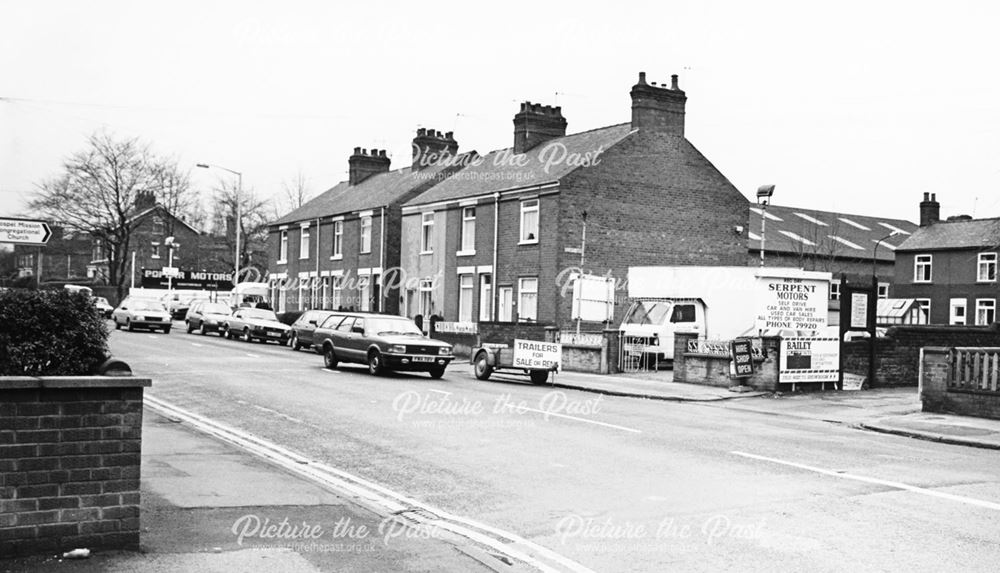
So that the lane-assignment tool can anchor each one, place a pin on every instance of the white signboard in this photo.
(593, 298)
(535, 354)
(790, 303)
(24, 232)
(811, 359)
(456, 327)
(859, 310)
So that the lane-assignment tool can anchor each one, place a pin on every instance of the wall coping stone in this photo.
(38, 382)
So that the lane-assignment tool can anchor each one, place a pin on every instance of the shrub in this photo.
(50, 333)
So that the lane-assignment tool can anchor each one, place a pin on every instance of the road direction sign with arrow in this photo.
(24, 231)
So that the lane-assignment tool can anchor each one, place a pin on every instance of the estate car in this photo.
(383, 342)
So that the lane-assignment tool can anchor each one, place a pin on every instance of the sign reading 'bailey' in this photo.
(187, 280)
(537, 355)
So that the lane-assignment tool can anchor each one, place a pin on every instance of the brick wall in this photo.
(897, 355)
(710, 370)
(935, 396)
(69, 463)
(506, 332)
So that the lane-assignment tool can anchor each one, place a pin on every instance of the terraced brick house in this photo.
(341, 249)
(502, 239)
(950, 267)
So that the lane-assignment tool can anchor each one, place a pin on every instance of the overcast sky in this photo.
(852, 106)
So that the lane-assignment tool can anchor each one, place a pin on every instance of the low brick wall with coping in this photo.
(713, 370)
(70, 452)
(936, 396)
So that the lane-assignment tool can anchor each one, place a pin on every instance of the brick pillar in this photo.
(69, 463)
(934, 371)
(680, 348)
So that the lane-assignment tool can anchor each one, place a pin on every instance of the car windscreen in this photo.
(145, 305)
(260, 314)
(215, 308)
(385, 326)
(648, 312)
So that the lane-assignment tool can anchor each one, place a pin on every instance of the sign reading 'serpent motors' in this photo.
(537, 355)
(794, 303)
(24, 232)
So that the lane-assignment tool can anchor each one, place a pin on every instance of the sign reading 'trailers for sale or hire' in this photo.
(537, 355)
(793, 304)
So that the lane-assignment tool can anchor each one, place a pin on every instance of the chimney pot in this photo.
(421, 131)
(642, 78)
(930, 210)
(673, 82)
(357, 151)
(933, 196)
(381, 153)
(449, 135)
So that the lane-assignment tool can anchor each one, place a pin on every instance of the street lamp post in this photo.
(875, 253)
(171, 245)
(239, 194)
(764, 193)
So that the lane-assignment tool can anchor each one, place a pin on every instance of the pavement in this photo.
(209, 506)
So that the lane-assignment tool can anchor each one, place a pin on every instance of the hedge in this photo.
(50, 333)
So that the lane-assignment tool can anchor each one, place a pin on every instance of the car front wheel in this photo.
(246, 335)
(294, 342)
(128, 325)
(329, 357)
(437, 373)
(166, 330)
(375, 363)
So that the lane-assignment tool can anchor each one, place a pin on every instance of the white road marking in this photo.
(877, 481)
(388, 500)
(279, 414)
(332, 371)
(605, 424)
(251, 355)
(196, 344)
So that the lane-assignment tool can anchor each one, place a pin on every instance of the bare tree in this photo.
(95, 194)
(176, 195)
(296, 192)
(254, 215)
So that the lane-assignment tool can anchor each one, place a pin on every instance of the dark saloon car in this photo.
(206, 317)
(382, 342)
(305, 326)
(255, 324)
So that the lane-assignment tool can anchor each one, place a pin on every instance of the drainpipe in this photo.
(381, 260)
(316, 280)
(496, 239)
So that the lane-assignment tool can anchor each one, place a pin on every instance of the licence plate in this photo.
(274, 334)
(423, 359)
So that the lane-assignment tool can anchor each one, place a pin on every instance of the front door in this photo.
(506, 295)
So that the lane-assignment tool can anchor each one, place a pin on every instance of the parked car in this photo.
(135, 313)
(255, 324)
(382, 342)
(103, 306)
(178, 304)
(205, 317)
(303, 328)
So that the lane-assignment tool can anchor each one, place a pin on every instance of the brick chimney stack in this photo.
(429, 146)
(930, 210)
(144, 200)
(363, 165)
(535, 124)
(658, 109)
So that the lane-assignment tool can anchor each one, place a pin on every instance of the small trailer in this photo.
(532, 358)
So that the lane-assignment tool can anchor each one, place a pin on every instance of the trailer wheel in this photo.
(482, 367)
(539, 376)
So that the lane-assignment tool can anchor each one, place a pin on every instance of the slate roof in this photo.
(376, 191)
(494, 172)
(969, 234)
(790, 230)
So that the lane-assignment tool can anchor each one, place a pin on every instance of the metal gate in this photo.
(637, 353)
